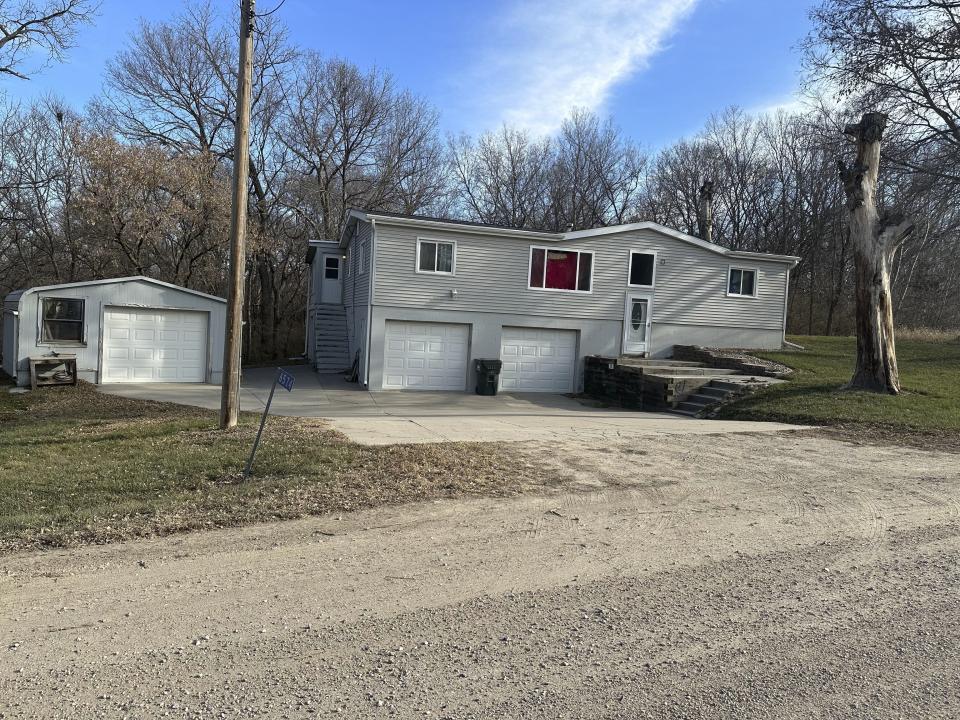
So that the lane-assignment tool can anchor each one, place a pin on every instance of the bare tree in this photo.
(45, 26)
(589, 175)
(501, 178)
(356, 141)
(900, 56)
(875, 241)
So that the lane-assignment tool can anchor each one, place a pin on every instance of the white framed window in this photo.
(61, 320)
(436, 257)
(560, 269)
(362, 258)
(331, 267)
(642, 271)
(742, 282)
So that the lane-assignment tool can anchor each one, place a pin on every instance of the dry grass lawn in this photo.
(78, 466)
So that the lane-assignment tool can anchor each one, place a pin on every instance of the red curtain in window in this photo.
(561, 270)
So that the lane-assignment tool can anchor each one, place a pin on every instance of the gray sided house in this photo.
(413, 301)
(131, 329)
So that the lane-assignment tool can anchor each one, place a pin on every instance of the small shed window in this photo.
(742, 282)
(61, 320)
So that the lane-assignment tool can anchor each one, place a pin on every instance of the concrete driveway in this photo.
(385, 418)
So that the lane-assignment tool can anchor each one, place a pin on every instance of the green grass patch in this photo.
(929, 375)
(79, 466)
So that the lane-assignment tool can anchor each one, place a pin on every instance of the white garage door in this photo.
(425, 356)
(538, 360)
(154, 345)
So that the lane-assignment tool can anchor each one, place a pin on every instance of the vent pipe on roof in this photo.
(569, 227)
(705, 211)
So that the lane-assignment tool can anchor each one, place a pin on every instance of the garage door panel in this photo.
(117, 374)
(538, 360)
(155, 345)
(425, 356)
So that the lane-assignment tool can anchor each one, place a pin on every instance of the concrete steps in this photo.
(708, 398)
(647, 362)
(668, 371)
(672, 368)
(331, 353)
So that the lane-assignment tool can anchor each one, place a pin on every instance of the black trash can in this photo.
(487, 372)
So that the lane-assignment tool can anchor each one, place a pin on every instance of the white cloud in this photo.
(549, 56)
(789, 104)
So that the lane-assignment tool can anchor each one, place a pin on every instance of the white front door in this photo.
(330, 281)
(636, 323)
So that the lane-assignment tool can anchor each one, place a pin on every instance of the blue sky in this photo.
(659, 67)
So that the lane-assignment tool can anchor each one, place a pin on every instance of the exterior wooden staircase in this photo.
(330, 331)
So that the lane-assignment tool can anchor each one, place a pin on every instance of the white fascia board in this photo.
(314, 245)
(132, 278)
(351, 217)
(791, 260)
(470, 229)
(647, 225)
(683, 237)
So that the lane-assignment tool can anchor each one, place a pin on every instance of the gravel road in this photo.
(748, 576)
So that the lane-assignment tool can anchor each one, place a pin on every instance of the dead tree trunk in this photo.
(875, 241)
(705, 211)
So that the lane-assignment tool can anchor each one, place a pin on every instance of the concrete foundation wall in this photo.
(595, 337)
(664, 336)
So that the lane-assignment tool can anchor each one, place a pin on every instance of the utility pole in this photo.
(230, 390)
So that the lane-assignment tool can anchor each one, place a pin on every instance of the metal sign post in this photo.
(285, 380)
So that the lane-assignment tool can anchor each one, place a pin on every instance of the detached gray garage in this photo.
(132, 329)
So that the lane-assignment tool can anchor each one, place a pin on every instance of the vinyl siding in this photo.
(356, 293)
(492, 276)
(130, 293)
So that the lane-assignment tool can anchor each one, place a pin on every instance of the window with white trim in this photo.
(362, 258)
(331, 267)
(552, 269)
(435, 256)
(642, 269)
(742, 282)
(61, 320)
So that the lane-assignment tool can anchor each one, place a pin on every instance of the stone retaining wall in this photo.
(718, 359)
(605, 379)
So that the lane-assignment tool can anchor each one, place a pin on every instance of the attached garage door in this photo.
(425, 356)
(538, 360)
(154, 345)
